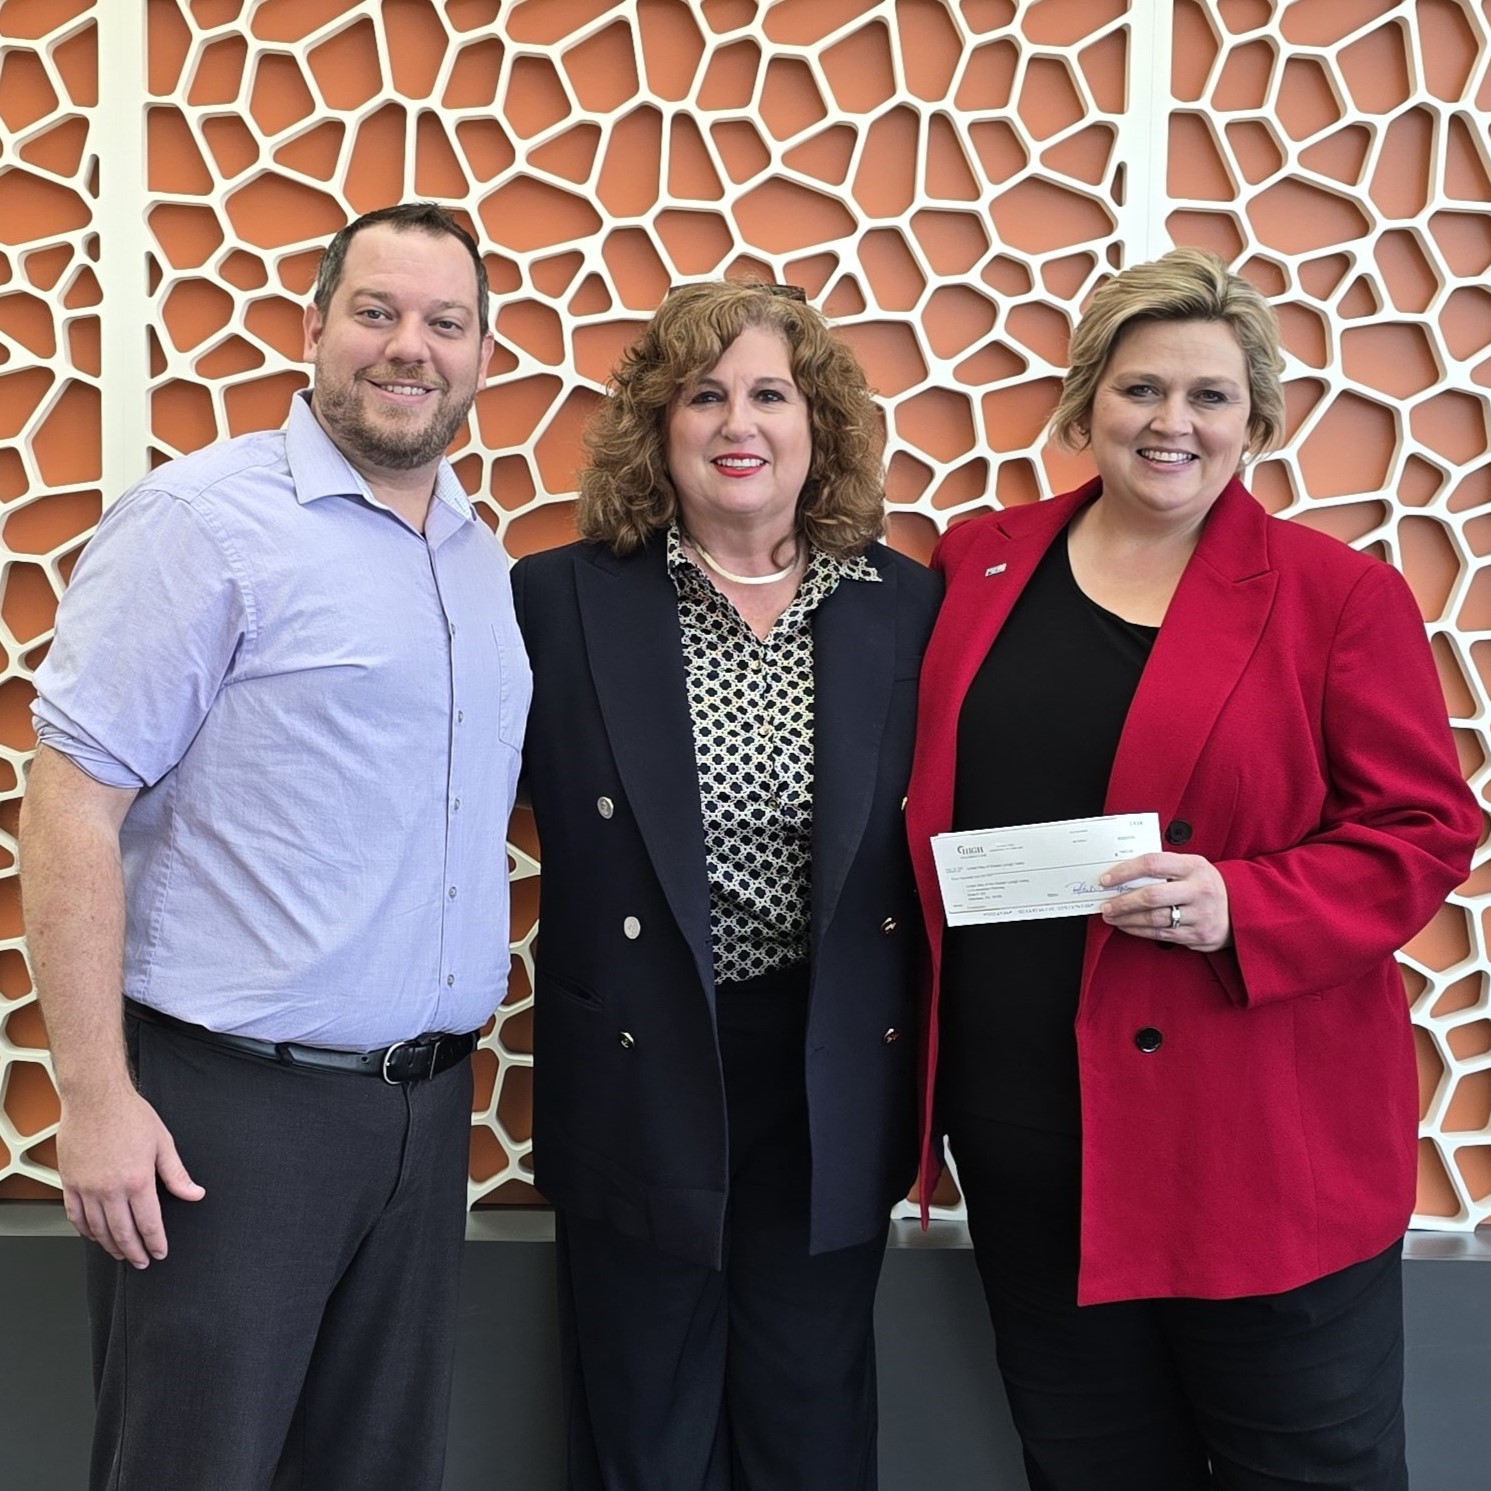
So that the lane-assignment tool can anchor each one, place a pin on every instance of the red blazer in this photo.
(1289, 727)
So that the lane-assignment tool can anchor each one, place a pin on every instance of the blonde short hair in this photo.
(1187, 284)
(626, 493)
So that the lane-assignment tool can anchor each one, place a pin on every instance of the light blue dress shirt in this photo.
(323, 712)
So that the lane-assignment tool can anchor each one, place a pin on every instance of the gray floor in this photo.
(944, 1423)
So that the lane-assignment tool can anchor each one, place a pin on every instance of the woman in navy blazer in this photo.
(1186, 1128)
(725, 1003)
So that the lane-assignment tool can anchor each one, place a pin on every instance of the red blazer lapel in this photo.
(1211, 630)
(987, 564)
(1210, 633)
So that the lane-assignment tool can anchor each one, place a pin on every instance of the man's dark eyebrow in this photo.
(385, 298)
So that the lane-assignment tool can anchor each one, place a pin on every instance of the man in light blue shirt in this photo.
(280, 727)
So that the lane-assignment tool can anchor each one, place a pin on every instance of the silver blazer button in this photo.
(632, 928)
(604, 806)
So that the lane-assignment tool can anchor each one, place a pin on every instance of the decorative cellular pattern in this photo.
(1339, 148)
(51, 463)
(948, 179)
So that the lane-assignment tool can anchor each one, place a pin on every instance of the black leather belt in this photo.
(417, 1060)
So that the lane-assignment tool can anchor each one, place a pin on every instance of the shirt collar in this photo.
(319, 469)
(824, 571)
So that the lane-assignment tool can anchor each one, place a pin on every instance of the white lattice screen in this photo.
(948, 178)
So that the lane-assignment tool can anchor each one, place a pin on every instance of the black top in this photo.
(1036, 740)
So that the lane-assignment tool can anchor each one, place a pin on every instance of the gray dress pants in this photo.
(300, 1334)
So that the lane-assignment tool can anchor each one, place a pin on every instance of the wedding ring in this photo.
(1174, 917)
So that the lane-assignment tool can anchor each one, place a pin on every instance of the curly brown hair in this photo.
(626, 493)
(1187, 284)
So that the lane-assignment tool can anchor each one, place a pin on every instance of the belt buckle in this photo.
(428, 1046)
(388, 1057)
(433, 1047)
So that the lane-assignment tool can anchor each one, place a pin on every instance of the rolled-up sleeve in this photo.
(148, 631)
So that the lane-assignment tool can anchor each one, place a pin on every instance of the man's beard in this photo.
(383, 443)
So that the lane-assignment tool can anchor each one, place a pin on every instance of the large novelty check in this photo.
(1038, 869)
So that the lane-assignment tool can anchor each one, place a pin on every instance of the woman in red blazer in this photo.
(1185, 1126)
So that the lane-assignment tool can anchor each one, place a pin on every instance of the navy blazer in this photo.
(629, 1107)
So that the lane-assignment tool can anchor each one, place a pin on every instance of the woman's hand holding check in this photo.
(1186, 904)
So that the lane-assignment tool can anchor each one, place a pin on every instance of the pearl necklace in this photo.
(726, 574)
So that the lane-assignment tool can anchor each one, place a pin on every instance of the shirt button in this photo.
(1148, 1039)
(451, 893)
(460, 715)
(632, 928)
(763, 730)
(452, 629)
(455, 807)
(626, 1040)
(889, 925)
(604, 806)
(450, 980)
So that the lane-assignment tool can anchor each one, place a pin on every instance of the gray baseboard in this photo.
(944, 1426)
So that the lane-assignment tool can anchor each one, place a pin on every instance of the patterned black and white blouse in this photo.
(752, 708)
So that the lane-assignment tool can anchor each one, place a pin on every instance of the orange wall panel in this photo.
(950, 179)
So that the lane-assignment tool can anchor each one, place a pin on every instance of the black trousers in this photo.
(300, 1335)
(1299, 1389)
(756, 1377)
